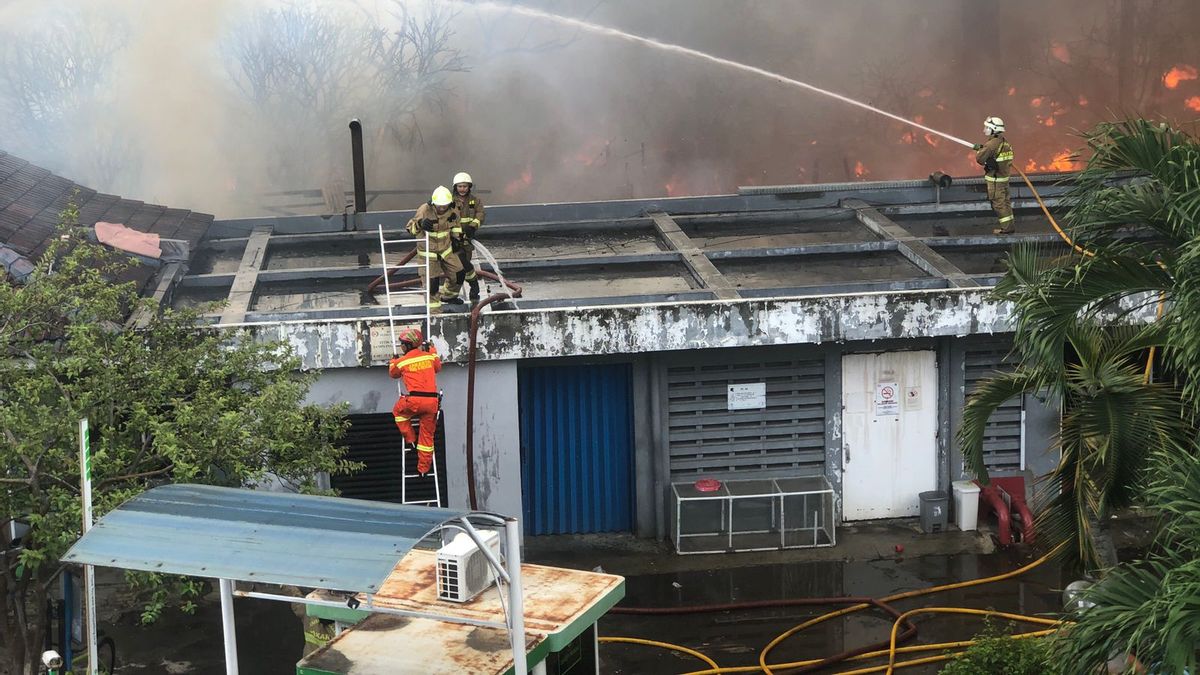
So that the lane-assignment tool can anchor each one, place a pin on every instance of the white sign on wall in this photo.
(887, 399)
(751, 396)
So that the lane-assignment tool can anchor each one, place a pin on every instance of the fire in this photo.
(1012, 91)
(1059, 51)
(1174, 76)
(1063, 161)
(593, 152)
(1049, 121)
(925, 93)
(860, 170)
(518, 185)
(1193, 103)
(1037, 101)
(932, 140)
(1083, 101)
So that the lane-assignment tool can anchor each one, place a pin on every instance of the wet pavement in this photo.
(735, 638)
(865, 562)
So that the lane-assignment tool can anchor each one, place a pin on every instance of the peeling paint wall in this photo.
(704, 325)
(497, 428)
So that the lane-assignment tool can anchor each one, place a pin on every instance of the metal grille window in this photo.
(786, 438)
(1002, 440)
(374, 440)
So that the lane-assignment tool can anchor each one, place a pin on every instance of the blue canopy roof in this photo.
(251, 535)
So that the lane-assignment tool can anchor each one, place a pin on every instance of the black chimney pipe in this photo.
(360, 177)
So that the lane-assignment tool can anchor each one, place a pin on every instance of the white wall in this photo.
(497, 427)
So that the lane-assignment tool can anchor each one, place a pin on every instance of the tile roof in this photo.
(31, 199)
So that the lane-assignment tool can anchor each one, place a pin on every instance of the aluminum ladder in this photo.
(422, 292)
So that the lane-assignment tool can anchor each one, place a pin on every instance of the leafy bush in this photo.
(995, 654)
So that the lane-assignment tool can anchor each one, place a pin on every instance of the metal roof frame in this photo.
(330, 543)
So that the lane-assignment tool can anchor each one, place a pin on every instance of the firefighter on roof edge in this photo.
(995, 156)
(438, 218)
(470, 219)
(418, 368)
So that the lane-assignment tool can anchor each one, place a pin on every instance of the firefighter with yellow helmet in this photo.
(470, 219)
(996, 157)
(438, 218)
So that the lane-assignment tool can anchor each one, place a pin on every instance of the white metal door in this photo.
(889, 427)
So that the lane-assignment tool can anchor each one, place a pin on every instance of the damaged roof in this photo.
(31, 199)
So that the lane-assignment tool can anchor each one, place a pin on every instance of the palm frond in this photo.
(990, 395)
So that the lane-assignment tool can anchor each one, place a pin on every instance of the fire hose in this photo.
(855, 654)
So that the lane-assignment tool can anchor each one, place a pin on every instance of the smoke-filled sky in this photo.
(208, 105)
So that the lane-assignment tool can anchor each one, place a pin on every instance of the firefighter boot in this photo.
(474, 295)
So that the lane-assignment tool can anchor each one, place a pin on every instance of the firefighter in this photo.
(470, 219)
(995, 156)
(438, 218)
(418, 368)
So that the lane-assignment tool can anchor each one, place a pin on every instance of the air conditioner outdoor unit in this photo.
(463, 571)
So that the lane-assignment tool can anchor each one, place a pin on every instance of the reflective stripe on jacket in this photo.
(998, 148)
(418, 368)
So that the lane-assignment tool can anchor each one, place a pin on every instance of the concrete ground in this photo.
(871, 559)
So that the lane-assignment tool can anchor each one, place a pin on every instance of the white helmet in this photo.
(463, 177)
(441, 196)
(993, 126)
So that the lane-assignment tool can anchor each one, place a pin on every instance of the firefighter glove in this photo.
(428, 224)
(470, 231)
(977, 147)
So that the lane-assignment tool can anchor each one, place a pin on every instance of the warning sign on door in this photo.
(747, 396)
(887, 400)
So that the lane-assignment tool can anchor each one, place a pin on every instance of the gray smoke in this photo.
(210, 105)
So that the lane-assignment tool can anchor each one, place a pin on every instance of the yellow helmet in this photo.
(463, 177)
(442, 197)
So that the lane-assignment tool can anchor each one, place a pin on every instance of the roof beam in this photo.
(917, 251)
(241, 291)
(700, 266)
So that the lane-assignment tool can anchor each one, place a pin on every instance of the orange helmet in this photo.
(411, 336)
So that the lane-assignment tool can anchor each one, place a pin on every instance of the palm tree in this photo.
(1084, 340)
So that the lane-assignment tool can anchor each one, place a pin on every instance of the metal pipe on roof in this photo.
(227, 627)
(516, 599)
(360, 176)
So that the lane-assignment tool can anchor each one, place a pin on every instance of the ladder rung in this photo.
(402, 241)
(417, 475)
(424, 501)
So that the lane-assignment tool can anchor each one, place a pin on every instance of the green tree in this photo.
(1128, 433)
(169, 401)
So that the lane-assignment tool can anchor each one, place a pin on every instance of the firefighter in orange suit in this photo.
(438, 219)
(996, 157)
(418, 367)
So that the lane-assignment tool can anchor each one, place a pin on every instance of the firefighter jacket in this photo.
(418, 368)
(996, 157)
(440, 238)
(470, 214)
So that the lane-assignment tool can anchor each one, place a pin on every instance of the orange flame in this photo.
(1037, 102)
(932, 140)
(1012, 91)
(1049, 121)
(1083, 101)
(1174, 76)
(519, 184)
(1193, 103)
(1063, 161)
(1059, 51)
(860, 170)
(925, 93)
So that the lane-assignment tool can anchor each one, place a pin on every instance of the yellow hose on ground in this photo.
(762, 657)
(872, 655)
(957, 610)
(662, 645)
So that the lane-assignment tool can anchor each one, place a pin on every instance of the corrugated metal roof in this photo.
(249, 535)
